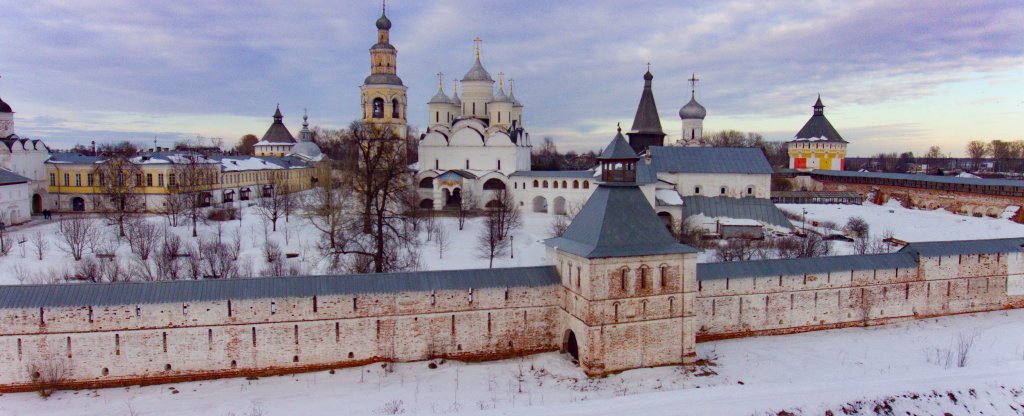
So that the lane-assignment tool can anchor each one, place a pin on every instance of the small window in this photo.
(696, 190)
(378, 108)
(575, 184)
(750, 190)
(545, 184)
(586, 184)
(723, 190)
(535, 183)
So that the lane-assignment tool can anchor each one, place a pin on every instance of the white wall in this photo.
(15, 200)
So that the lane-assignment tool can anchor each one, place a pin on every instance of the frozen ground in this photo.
(22, 265)
(862, 369)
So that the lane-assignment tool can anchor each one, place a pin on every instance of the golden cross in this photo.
(477, 41)
(511, 85)
(455, 85)
(501, 80)
(440, 77)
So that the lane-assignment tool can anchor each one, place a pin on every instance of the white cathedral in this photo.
(477, 145)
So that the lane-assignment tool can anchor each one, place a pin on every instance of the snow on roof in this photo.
(739, 221)
(668, 197)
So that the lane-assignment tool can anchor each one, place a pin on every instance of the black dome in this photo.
(384, 23)
(4, 107)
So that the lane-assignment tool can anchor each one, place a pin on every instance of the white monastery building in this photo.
(22, 173)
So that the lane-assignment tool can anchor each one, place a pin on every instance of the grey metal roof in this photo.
(7, 177)
(758, 209)
(675, 159)
(693, 109)
(440, 97)
(278, 133)
(382, 79)
(922, 178)
(582, 174)
(801, 266)
(477, 73)
(646, 119)
(952, 248)
(74, 158)
(819, 126)
(617, 221)
(180, 291)
(618, 149)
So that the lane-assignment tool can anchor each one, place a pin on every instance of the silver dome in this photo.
(693, 110)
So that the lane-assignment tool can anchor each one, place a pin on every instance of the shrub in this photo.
(222, 214)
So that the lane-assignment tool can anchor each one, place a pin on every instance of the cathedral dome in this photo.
(693, 110)
(383, 23)
(500, 97)
(4, 107)
(439, 98)
(477, 73)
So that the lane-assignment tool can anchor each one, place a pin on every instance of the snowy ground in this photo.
(861, 369)
(22, 265)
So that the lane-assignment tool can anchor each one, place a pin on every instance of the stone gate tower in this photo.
(629, 286)
(383, 95)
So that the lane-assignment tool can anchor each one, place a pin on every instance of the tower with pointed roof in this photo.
(817, 145)
(383, 95)
(693, 115)
(6, 120)
(277, 141)
(646, 130)
(629, 286)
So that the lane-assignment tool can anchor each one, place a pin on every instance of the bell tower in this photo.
(383, 96)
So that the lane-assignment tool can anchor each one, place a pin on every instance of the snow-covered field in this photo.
(297, 236)
(863, 369)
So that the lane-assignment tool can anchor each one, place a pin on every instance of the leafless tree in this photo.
(489, 245)
(167, 259)
(325, 208)
(736, 249)
(39, 242)
(442, 239)
(379, 235)
(814, 245)
(76, 231)
(193, 178)
(121, 183)
(857, 226)
(48, 373)
(142, 237)
(174, 206)
(272, 207)
(467, 205)
(217, 261)
(976, 150)
(561, 222)
(506, 213)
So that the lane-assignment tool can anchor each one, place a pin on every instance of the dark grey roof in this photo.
(76, 158)
(440, 97)
(617, 221)
(278, 133)
(818, 126)
(758, 209)
(801, 266)
(477, 73)
(618, 149)
(646, 119)
(4, 107)
(383, 79)
(922, 178)
(693, 110)
(181, 291)
(383, 23)
(7, 178)
(951, 248)
(582, 174)
(675, 159)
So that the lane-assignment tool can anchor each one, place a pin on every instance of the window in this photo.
(396, 111)
(378, 108)
(545, 184)
(437, 164)
(499, 164)
(565, 184)
(723, 190)
(575, 184)
(696, 190)
(160, 180)
(53, 179)
(467, 163)
(622, 280)
(555, 184)
(586, 184)
(78, 179)
(535, 183)
(170, 180)
(643, 277)
(138, 179)
(89, 179)
(750, 190)
(663, 279)
(149, 179)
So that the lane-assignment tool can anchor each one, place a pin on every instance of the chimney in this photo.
(94, 148)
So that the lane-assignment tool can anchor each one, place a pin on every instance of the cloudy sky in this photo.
(894, 75)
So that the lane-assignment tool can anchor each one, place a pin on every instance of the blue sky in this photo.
(894, 75)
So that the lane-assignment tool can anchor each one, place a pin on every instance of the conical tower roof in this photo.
(647, 119)
(818, 128)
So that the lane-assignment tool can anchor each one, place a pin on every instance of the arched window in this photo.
(723, 190)
(643, 277)
(554, 184)
(586, 184)
(545, 183)
(396, 112)
(696, 190)
(427, 183)
(535, 183)
(622, 279)
(664, 271)
(564, 185)
(575, 184)
(494, 184)
(378, 107)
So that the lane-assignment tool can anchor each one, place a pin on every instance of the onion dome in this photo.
(693, 110)
(500, 97)
(383, 23)
(477, 73)
(4, 107)
(440, 98)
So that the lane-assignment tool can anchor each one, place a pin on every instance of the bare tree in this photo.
(193, 178)
(858, 227)
(217, 261)
(272, 207)
(489, 245)
(76, 232)
(506, 213)
(467, 204)
(39, 242)
(48, 373)
(442, 239)
(976, 150)
(736, 249)
(174, 206)
(325, 209)
(121, 183)
(142, 237)
(6, 242)
(379, 235)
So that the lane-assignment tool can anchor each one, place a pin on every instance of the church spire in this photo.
(646, 131)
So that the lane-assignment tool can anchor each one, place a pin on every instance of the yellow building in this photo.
(817, 145)
(383, 96)
(85, 183)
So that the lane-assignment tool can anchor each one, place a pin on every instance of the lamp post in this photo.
(512, 245)
(803, 220)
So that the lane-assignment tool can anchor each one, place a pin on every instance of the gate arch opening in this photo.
(540, 204)
(571, 346)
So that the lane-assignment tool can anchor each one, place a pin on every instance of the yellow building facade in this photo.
(817, 146)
